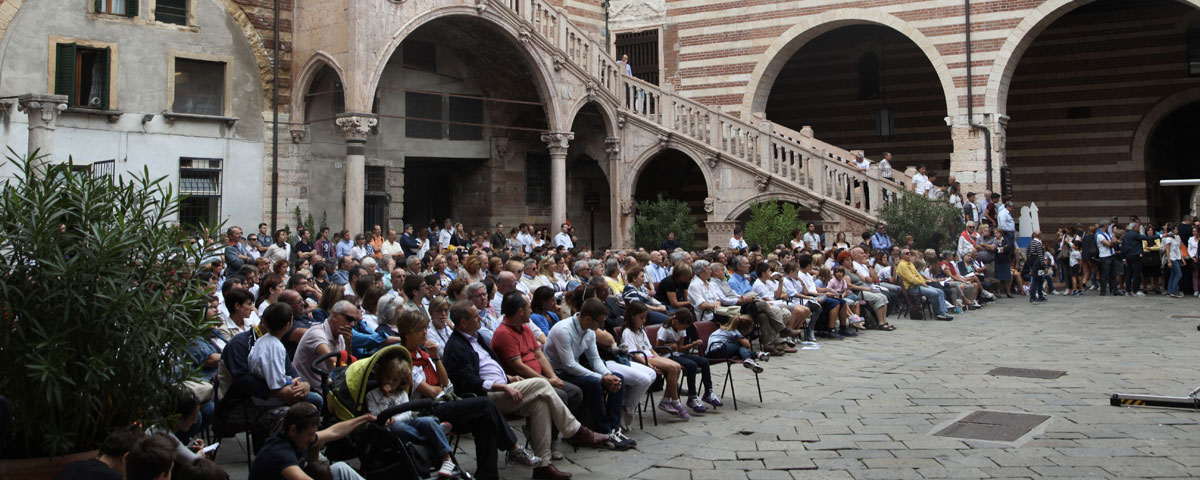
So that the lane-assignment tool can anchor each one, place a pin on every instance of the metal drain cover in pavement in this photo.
(1026, 373)
(993, 426)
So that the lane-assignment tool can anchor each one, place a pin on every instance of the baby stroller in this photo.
(382, 454)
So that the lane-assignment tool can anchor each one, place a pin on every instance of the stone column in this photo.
(43, 111)
(557, 142)
(355, 127)
(612, 147)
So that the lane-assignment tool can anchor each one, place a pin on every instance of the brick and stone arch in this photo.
(1023, 35)
(1088, 88)
(371, 70)
(316, 66)
(810, 27)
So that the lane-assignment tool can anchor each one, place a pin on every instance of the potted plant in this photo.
(96, 306)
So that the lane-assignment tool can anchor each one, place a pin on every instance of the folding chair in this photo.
(704, 330)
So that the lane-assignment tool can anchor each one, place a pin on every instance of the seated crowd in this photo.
(564, 341)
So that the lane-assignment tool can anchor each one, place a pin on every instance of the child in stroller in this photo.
(395, 377)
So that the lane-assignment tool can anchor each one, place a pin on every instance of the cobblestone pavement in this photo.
(865, 408)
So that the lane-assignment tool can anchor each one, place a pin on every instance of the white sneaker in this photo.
(753, 365)
(447, 469)
(853, 319)
(1140, 294)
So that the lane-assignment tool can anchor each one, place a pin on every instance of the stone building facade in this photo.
(517, 111)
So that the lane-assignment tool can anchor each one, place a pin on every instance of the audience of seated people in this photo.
(529, 332)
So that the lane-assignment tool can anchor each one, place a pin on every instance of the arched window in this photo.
(868, 76)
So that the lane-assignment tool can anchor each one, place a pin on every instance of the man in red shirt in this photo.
(520, 354)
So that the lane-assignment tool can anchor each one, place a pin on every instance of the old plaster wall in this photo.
(141, 51)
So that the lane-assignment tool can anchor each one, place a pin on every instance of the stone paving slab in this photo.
(865, 408)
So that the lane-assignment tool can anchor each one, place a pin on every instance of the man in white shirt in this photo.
(391, 247)
(656, 271)
(563, 239)
(737, 243)
(967, 240)
(707, 298)
(1107, 258)
(921, 183)
(812, 239)
(861, 163)
(525, 236)
(444, 235)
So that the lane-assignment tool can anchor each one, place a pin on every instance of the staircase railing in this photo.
(794, 159)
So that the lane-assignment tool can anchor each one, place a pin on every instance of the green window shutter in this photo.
(64, 72)
(99, 6)
(131, 8)
(105, 66)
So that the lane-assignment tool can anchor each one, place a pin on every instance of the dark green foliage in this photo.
(657, 218)
(932, 224)
(771, 223)
(95, 306)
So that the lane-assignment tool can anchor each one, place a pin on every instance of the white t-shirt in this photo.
(809, 283)
(813, 240)
(563, 240)
(766, 288)
(268, 361)
(921, 183)
(737, 243)
(1105, 252)
(670, 335)
(637, 342)
(1075, 256)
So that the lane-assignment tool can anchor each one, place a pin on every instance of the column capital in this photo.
(42, 109)
(356, 126)
(558, 141)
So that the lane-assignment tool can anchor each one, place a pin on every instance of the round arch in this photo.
(362, 100)
(1151, 120)
(809, 28)
(606, 110)
(1022, 37)
(741, 208)
(312, 67)
(638, 166)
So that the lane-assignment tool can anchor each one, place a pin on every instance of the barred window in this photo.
(537, 180)
(200, 186)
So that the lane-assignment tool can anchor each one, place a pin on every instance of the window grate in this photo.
(537, 180)
(200, 186)
(376, 179)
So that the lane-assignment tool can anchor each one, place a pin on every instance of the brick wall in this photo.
(739, 32)
(1079, 94)
(819, 86)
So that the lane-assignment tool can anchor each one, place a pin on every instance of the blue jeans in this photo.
(1035, 291)
(730, 350)
(936, 297)
(316, 399)
(1176, 274)
(424, 430)
(605, 412)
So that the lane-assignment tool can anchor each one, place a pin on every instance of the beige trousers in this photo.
(540, 406)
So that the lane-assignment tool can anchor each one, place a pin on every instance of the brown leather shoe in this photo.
(773, 350)
(786, 349)
(549, 472)
(585, 437)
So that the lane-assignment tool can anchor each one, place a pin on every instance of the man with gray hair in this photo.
(581, 273)
(333, 335)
